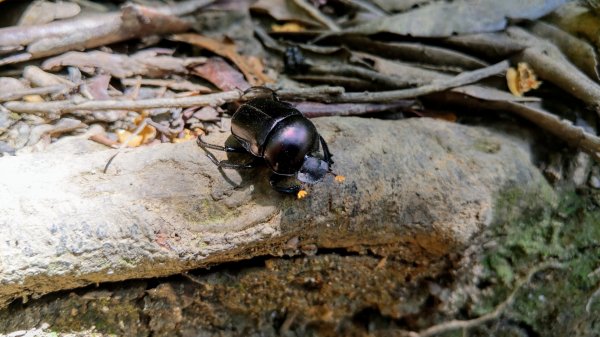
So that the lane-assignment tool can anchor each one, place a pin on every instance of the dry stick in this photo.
(362, 73)
(461, 79)
(466, 324)
(68, 106)
(96, 30)
(11, 96)
(327, 94)
(316, 14)
(564, 129)
(216, 99)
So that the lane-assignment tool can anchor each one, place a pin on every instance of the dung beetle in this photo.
(278, 133)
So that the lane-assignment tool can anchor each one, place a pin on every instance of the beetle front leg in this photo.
(326, 152)
(206, 145)
(225, 163)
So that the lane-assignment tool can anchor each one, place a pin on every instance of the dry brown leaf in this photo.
(187, 136)
(283, 10)
(147, 135)
(221, 74)
(124, 135)
(156, 62)
(228, 50)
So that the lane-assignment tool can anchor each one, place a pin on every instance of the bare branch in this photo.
(96, 30)
(10, 96)
(461, 79)
(178, 102)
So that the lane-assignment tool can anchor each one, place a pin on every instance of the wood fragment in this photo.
(96, 30)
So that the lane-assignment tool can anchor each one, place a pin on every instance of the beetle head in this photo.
(313, 170)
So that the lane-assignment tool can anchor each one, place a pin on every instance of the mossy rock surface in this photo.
(427, 216)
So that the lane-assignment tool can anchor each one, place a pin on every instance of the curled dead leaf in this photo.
(124, 135)
(147, 135)
(522, 79)
(302, 194)
(228, 50)
(187, 136)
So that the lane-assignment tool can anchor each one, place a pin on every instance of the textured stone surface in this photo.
(418, 188)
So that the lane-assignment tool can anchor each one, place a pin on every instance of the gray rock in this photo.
(419, 189)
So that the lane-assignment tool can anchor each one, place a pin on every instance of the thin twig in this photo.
(11, 96)
(135, 105)
(317, 15)
(102, 139)
(393, 82)
(497, 312)
(180, 85)
(216, 99)
(461, 79)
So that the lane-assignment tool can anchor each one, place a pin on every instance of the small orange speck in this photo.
(340, 179)
(302, 194)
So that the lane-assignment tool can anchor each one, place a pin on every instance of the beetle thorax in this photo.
(289, 143)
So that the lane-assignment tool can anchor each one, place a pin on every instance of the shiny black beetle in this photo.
(277, 132)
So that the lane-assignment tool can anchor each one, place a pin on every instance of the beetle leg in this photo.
(326, 152)
(225, 163)
(229, 165)
(206, 145)
(275, 181)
